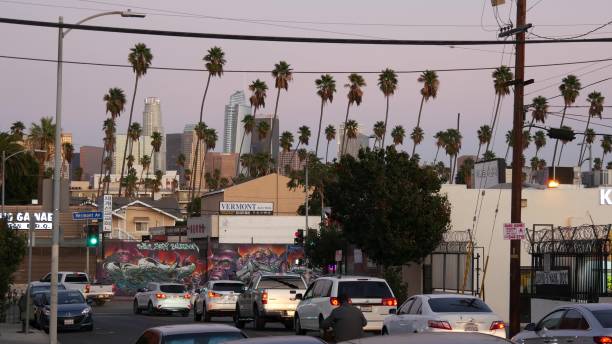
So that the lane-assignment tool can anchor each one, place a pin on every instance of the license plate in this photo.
(366, 308)
(290, 313)
(69, 322)
(471, 328)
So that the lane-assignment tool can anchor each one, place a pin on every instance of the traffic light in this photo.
(92, 235)
(562, 134)
(299, 237)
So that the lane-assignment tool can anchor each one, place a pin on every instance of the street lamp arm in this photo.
(25, 150)
(127, 13)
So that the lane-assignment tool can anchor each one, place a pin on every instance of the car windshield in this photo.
(172, 288)
(235, 287)
(604, 317)
(364, 289)
(66, 298)
(202, 338)
(458, 305)
(281, 282)
(76, 278)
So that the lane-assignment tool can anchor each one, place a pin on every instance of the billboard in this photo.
(489, 173)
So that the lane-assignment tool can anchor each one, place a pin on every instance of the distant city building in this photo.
(65, 172)
(152, 122)
(90, 159)
(75, 165)
(259, 146)
(173, 149)
(352, 145)
(224, 162)
(235, 111)
(289, 161)
(141, 148)
(188, 143)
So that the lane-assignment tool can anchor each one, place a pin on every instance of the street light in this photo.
(57, 163)
(4, 159)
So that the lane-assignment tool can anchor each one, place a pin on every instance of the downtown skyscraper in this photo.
(233, 130)
(152, 122)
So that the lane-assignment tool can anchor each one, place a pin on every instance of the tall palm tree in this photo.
(590, 137)
(379, 132)
(109, 127)
(570, 90)
(440, 141)
(355, 96)
(214, 62)
(606, 146)
(429, 79)
(326, 87)
(282, 74)
(387, 82)
(540, 110)
(453, 140)
(115, 104)
(145, 162)
(42, 137)
(248, 124)
(417, 136)
(596, 104)
(67, 152)
(156, 183)
(564, 142)
(330, 134)
(509, 143)
(352, 128)
(200, 133)
(180, 163)
(501, 76)
(597, 164)
(131, 182)
(134, 133)
(210, 142)
(130, 161)
(303, 139)
(484, 137)
(286, 141)
(156, 143)
(488, 155)
(540, 141)
(398, 134)
(17, 130)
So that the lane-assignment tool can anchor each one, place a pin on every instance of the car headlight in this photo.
(47, 312)
(86, 310)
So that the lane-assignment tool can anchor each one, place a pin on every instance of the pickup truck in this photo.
(269, 297)
(93, 292)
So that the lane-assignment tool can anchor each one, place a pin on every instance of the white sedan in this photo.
(163, 297)
(444, 313)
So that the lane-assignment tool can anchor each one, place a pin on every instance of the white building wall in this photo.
(237, 229)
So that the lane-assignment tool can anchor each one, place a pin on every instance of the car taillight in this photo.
(442, 325)
(160, 296)
(602, 340)
(212, 294)
(334, 301)
(390, 301)
(114, 288)
(187, 296)
(264, 298)
(497, 325)
(87, 289)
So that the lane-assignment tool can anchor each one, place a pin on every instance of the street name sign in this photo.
(514, 231)
(87, 215)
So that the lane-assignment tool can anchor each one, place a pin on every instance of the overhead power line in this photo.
(289, 38)
(573, 36)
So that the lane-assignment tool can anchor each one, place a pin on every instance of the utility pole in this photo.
(517, 183)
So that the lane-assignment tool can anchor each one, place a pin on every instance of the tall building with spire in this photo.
(152, 122)
(235, 111)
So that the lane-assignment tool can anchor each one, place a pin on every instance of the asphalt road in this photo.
(114, 323)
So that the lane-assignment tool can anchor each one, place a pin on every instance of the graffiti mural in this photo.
(131, 265)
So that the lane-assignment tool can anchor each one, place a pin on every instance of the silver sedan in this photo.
(571, 324)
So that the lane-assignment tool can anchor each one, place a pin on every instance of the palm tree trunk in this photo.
(294, 151)
(560, 154)
(557, 141)
(101, 170)
(348, 108)
(478, 152)
(386, 118)
(494, 119)
(508, 151)
(202, 172)
(195, 159)
(319, 131)
(418, 122)
(41, 174)
(436, 158)
(272, 126)
(131, 151)
(128, 129)
(582, 148)
(327, 151)
(455, 166)
(450, 167)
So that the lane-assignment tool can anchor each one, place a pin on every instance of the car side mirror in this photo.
(299, 296)
(392, 311)
(530, 327)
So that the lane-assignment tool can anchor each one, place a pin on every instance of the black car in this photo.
(73, 312)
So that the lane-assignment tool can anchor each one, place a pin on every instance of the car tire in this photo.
(258, 320)
(298, 326)
(135, 308)
(89, 328)
(237, 322)
(185, 314)
(288, 323)
(150, 309)
(196, 317)
(205, 314)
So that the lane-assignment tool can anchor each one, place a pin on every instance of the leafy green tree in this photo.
(388, 205)
(12, 250)
(320, 245)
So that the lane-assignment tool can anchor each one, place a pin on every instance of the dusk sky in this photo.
(27, 88)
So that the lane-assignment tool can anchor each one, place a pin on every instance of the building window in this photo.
(142, 226)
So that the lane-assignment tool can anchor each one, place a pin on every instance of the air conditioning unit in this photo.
(497, 2)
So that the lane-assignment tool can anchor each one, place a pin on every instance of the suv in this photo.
(217, 298)
(162, 297)
(371, 295)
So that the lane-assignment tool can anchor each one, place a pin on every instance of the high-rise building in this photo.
(74, 165)
(352, 145)
(233, 130)
(263, 146)
(90, 159)
(141, 148)
(152, 122)
(224, 162)
(173, 149)
(289, 161)
(188, 143)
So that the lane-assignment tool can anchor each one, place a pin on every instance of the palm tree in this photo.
(570, 89)
(596, 104)
(387, 82)
(200, 132)
(210, 142)
(590, 137)
(488, 155)
(109, 127)
(398, 134)
(501, 76)
(140, 58)
(452, 146)
(526, 139)
(263, 128)
(286, 141)
(597, 164)
(484, 136)
(606, 146)
(355, 95)
(17, 130)
(430, 82)
(156, 183)
(67, 152)
(330, 134)
(145, 162)
(131, 182)
(214, 62)
(42, 137)
(282, 74)
(540, 141)
(564, 142)
(130, 161)
(133, 134)
(303, 139)
(540, 110)
(352, 128)
(326, 87)
(115, 104)
(440, 141)
(417, 136)
(156, 143)
(180, 163)
(248, 124)
(379, 132)
(509, 143)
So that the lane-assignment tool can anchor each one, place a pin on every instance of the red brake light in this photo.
(160, 296)
(187, 296)
(264, 297)
(334, 301)
(212, 294)
(442, 325)
(602, 340)
(114, 288)
(497, 325)
(390, 301)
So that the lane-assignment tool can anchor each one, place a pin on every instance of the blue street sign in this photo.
(87, 215)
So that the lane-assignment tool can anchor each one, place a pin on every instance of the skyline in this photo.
(84, 86)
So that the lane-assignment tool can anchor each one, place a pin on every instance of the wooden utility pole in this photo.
(517, 170)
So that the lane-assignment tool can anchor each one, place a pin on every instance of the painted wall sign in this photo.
(605, 196)
(246, 208)
(21, 221)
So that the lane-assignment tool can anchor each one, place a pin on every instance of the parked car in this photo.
(444, 313)
(269, 297)
(217, 298)
(196, 334)
(34, 288)
(278, 340)
(432, 338)
(162, 297)
(73, 312)
(372, 295)
(96, 292)
(578, 323)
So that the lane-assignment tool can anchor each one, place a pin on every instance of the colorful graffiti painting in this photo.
(131, 265)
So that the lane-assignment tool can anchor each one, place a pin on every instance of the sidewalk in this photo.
(9, 335)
